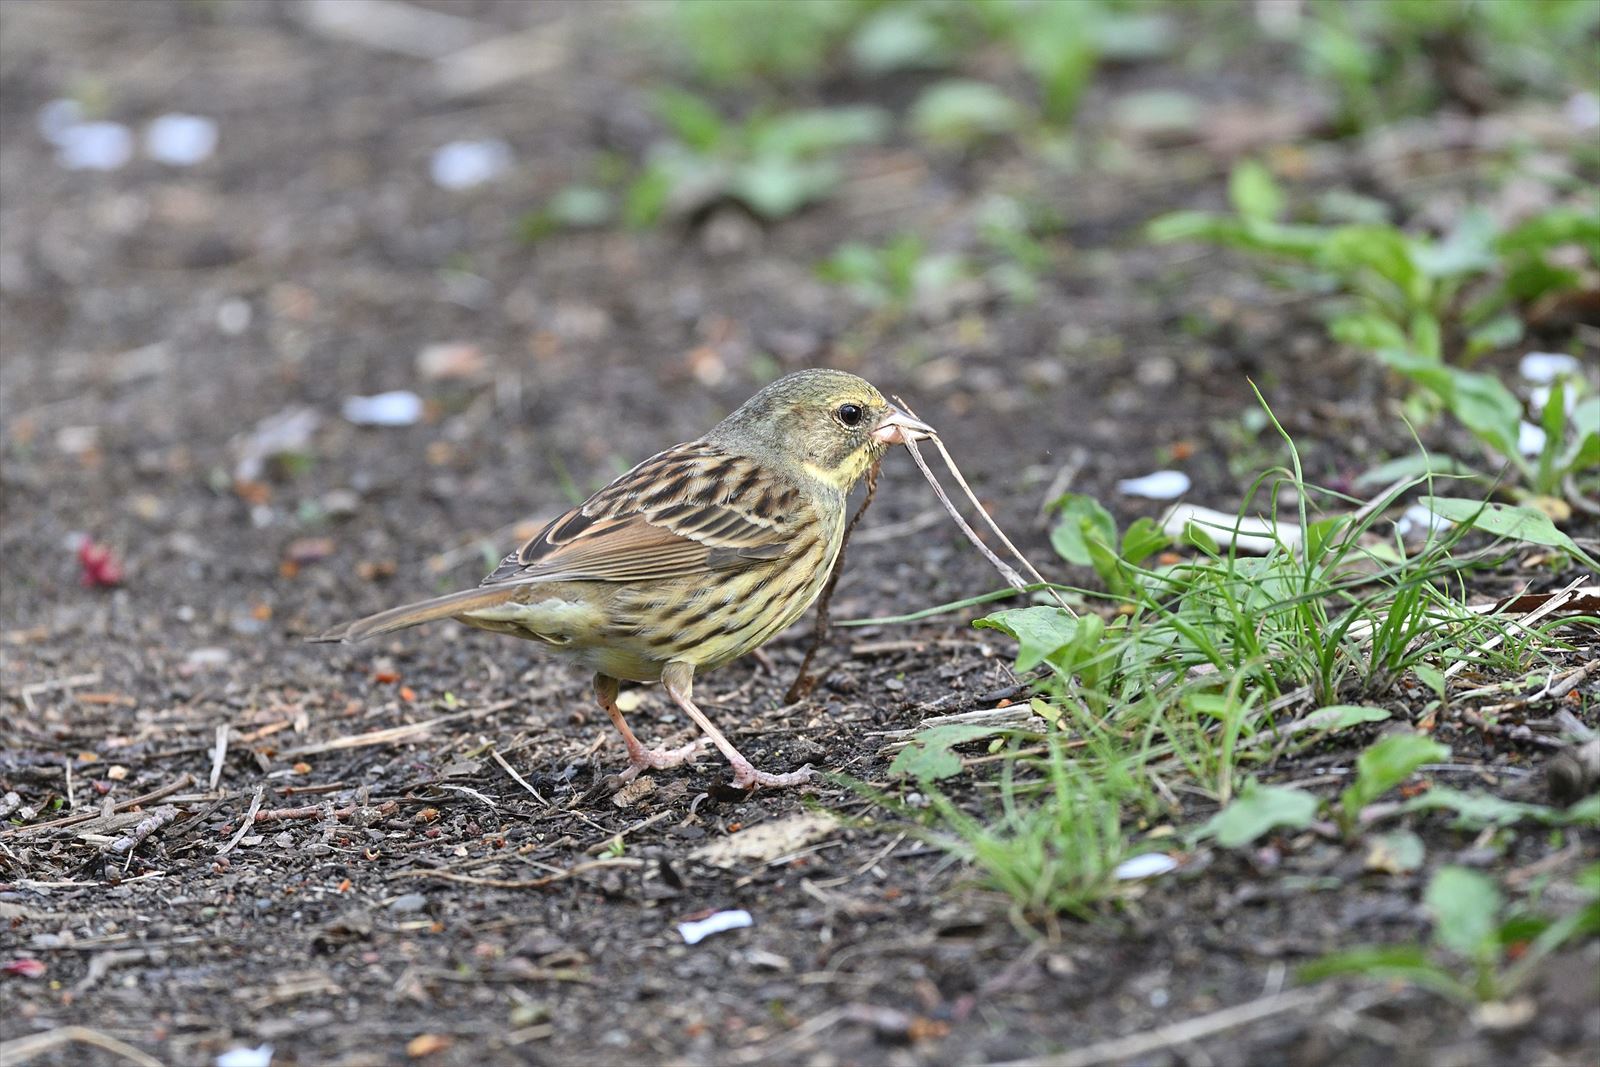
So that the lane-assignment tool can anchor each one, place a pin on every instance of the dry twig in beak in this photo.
(1006, 571)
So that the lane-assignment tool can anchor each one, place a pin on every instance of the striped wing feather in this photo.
(687, 510)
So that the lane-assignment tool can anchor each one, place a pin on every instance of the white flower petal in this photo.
(1162, 485)
(1542, 368)
(695, 932)
(1147, 865)
(399, 408)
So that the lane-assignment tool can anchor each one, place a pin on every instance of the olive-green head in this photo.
(828, 424)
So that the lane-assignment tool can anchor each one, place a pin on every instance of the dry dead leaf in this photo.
(768, 841)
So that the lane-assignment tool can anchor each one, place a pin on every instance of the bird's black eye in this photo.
(850, 414)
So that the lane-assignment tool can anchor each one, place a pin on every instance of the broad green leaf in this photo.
(1385, 764)
(775, 187)
(1468, 248)
(1534, 278)
(1584, 453)
(1474, 811)
(812, 131)
(1465, 906)
(646, 199)
(1194, 226)
(1254, 193)
(1143, 539)
(928, 757)
(1339, 717)
(1385, 252)
(1585, 812)
(1553, 228)
(694, 121)
(1082, 519)
(1427, 336)
(1480, 401)
(960, 111)
(898, 38)
(1396, 852)
(1431, 677)
(1039, 631)
(1366, 329)
(1259, 809)
(1501, 331)
(1503, 520)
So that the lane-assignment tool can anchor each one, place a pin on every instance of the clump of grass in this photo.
(1209, 669)
(1052, 844)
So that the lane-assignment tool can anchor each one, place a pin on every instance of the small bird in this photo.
(691, 559)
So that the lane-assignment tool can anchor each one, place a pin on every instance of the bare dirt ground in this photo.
(479, 893)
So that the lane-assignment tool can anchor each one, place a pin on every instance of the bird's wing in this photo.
(687, 510)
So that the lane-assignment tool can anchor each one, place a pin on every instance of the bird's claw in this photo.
(659, 759)
(747, 777)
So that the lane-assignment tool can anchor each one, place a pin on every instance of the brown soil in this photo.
(502, 916)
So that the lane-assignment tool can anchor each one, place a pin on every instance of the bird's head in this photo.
(827, 424)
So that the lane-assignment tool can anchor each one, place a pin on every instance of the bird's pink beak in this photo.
(896, 428)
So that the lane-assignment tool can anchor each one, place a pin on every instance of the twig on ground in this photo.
(1557, 601)
(317, 811)
(218, 753)
(803, 682)
(147, 826)
(21, 1050)
(664, 813)
(73, 820)
(1119, 1049)
(74, 681)
(523, 883)
(393, 733)
(249, 821)
(512, 771)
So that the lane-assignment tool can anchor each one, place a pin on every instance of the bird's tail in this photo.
(442, 607)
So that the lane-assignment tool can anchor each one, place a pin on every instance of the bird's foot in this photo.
(745, 776)
(642, 759)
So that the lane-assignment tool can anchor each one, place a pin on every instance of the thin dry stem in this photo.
(1006, 571)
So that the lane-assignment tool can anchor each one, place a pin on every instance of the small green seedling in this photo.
(1479, 950)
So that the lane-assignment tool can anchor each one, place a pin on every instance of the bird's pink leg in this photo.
(639, 757)
(678, 677)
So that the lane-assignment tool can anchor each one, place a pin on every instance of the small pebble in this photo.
(94, 146)
(398, 408)
(410, 902)
(465, 164)
(180, 140)
(56, 118)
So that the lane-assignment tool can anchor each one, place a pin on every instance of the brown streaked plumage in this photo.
(693, 558)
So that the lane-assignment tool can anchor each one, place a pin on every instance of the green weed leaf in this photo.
(1339, 717)
(1503, 520)
(1385, 764)
(1255, 194)
(1464, 905)
(928, 757)
(959, 111)
(1257, 810)
(1082, 520)
(1040, 631)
